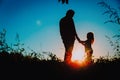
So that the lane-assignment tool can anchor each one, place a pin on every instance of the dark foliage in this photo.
(63, 1)
(112, 13)
(113, 17)
(115, 44)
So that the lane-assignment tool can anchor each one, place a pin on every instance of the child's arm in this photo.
(82, 42)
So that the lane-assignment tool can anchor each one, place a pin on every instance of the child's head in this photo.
(90, 36)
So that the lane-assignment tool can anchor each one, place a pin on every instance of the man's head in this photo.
(70, 13)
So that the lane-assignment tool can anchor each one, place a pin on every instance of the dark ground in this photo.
(17, 66)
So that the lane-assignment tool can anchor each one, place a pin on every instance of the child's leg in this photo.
(89, 58)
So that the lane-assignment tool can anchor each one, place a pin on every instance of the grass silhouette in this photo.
(16, 64)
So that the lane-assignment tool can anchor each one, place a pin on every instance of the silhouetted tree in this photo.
(114, 17)
(112, 13)
(18, 45)
(63, 1)
(3, 45)
(115, 44)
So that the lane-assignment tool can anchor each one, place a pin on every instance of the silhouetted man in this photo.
(68, 34)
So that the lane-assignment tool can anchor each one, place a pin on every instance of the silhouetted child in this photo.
(88, 46)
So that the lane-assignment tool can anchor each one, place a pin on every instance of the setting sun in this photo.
(78, 53)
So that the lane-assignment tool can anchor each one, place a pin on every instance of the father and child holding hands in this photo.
(69, 35)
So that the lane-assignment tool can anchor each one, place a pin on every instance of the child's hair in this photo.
(90, 36)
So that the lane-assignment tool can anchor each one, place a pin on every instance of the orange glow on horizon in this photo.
(78, 57)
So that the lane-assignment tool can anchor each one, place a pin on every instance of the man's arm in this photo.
(76, 36)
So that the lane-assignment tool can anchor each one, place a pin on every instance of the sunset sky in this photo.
(37, 23)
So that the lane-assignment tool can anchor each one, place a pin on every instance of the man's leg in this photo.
(67, 57)
(68, 53)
